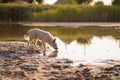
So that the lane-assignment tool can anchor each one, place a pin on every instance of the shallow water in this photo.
(81, 44)
(100, 49)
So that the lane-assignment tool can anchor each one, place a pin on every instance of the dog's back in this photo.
(44, 36)
(39, 34)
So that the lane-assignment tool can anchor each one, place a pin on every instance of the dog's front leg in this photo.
(35, 42)
(29, 42)
(43, 48)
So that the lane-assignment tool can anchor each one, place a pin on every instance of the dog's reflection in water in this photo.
(53, 54)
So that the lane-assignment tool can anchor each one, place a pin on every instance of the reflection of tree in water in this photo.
(84, 40)
(118, 42)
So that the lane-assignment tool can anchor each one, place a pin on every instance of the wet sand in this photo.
(18, 62)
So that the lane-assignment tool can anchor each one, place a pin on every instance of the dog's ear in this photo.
(54, 40)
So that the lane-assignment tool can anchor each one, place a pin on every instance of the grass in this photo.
(59, 13)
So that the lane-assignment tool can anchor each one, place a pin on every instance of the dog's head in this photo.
(54, 44)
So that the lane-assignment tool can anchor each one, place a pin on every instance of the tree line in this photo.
(115, 2)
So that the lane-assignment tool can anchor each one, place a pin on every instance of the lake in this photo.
(80, 44)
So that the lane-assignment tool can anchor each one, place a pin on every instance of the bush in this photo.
(75, 13)
(14, 12)
(116, 2)
(100, 3)
(39, 1)
(5, 1)
(68, 13)
(69, 2)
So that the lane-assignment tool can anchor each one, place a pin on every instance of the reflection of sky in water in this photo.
(99, 49)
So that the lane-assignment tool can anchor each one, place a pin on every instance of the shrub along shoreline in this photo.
(59, 13)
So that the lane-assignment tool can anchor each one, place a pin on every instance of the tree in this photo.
(30, 1)
(39, 1)
(100, 3)
(69, 2)
(116, 2)
(83, 1)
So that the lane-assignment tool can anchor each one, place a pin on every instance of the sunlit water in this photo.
(100, 49)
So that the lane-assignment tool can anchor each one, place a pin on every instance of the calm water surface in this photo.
(100, 49)
(83, 44)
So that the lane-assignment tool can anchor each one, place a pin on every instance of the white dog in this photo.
(35, 35)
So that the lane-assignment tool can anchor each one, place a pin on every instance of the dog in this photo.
(35, 35)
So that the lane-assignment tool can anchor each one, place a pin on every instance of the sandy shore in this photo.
(71, 24)
(17, 62)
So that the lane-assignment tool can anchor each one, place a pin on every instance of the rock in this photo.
(109, 69)
(104, 77)
(117, 66)
(5, 73)
(66, 66)
(68, 61)
(108, 72)
(19, 74)
(54, 72)
(77, 71)
(86, 72)
(56, 66)
(53, 79)
(116, 74)
(80, 65)
(59, 62)
(12, 51)
(80, 77)
(29, 68)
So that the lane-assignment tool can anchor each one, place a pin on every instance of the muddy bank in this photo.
(21, 63)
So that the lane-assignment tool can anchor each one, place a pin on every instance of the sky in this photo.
(49, 1)
(106, 2)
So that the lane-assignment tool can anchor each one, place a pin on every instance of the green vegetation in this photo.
(14, 12)
(62, 13)
(116, 2)
(69, 2)
(6, 1)
(83, 1)
(39, 1)
(17, 1)
(100, 3)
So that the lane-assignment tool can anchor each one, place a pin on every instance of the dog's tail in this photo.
(26, 37)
